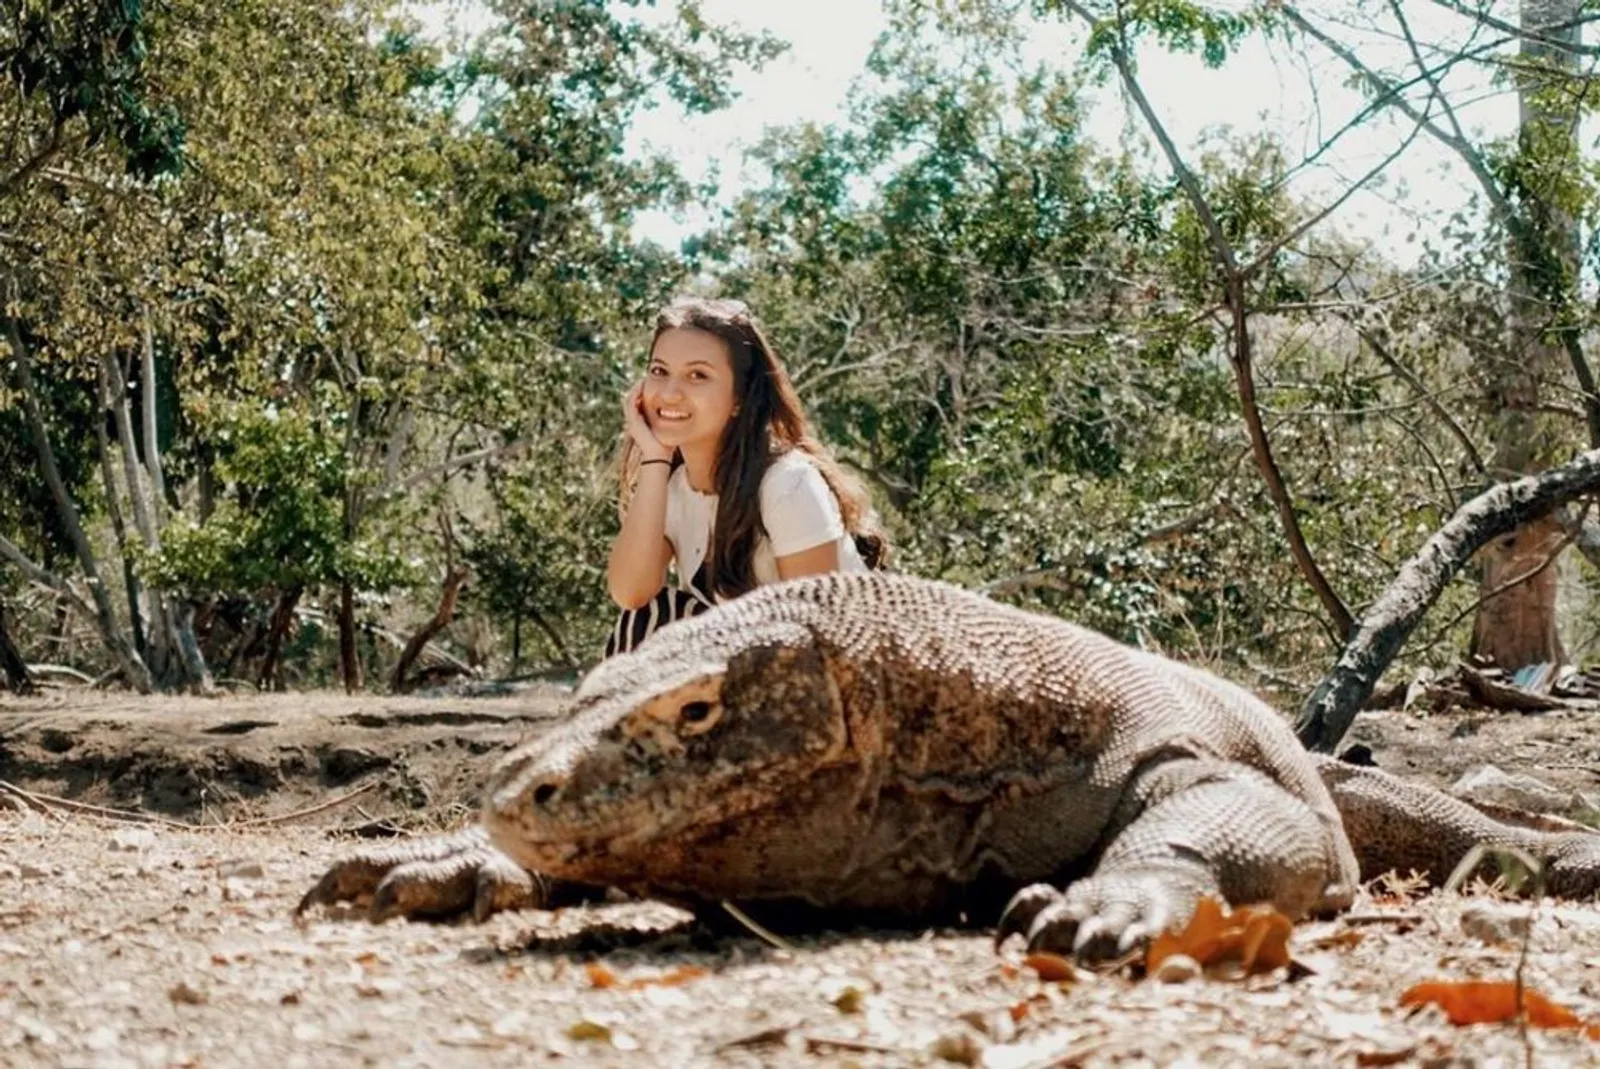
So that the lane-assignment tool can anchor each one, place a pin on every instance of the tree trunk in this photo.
(1516, 624)
(282, 616)
(349, 652)
(173, 652)
(442, 616)
(11, 661)
(117, 644)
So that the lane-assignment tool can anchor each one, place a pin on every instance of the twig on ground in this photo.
(755, 929)
(1355, 919)
(48, 802)
(815, 1044)
(1535, 867)
(122, 929)
(1074, 1055)
(51, 803)
(284, 818)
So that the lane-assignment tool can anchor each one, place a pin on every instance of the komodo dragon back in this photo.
(906, 750)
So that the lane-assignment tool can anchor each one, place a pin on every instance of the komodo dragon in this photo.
(902, 750)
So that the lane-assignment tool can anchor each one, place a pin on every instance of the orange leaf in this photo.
(1488, 1001)
(1052, 968)
(681, 975)
(1266, 941)
(1255, 936)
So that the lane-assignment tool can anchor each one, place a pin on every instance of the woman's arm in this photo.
(813, 561)
(802, 519)
(637, 567)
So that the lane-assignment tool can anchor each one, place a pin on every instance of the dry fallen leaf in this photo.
(589, 1030)
(1052, 968)
(1490, 1001)
(183, 994)
(1256, 937)
(1341, 939)
(601, 977)
(671, 978)
(849, 999)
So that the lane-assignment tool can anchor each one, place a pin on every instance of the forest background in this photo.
(315, 318)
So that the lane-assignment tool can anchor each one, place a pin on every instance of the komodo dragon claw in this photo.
(1096, 919)
(435, 876)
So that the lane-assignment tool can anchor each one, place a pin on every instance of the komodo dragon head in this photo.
(694, 764)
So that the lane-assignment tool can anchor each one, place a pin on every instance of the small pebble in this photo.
(132, 839)
(962, 1048)
(1493, 924)
(241, 870)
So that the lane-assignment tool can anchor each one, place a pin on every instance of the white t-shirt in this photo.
(798, 511)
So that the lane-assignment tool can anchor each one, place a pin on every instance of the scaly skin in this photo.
(895, 749)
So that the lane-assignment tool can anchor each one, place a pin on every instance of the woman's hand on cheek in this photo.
(637, 425)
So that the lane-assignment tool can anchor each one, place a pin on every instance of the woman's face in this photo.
(688, 388)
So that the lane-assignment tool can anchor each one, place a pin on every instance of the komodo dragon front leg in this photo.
(1207, 828)
(1187, 828)
(438, 876)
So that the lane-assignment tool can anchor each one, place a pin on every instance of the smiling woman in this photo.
(722, 478)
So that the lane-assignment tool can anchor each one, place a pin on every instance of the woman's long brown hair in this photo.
(767, 422)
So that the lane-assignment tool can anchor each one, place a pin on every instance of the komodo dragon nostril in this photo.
(543, 793)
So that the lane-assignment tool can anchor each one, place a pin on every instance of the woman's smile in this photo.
(688, 391)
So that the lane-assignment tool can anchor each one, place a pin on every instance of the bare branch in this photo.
(147, 405)
(116, 641)
(462, 460)
(1390, 620)
(1391, 93)
(34, 573)
(1236, 301)
(1522, 33)
(1381, 350)
(14, 181)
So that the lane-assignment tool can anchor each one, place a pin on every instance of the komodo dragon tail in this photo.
(1398, 825)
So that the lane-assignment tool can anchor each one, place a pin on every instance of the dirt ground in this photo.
(171, 942)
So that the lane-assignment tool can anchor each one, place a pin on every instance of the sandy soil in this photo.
(163, 945)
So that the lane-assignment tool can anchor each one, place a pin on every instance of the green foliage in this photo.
(395, 281)
(281, 524)
(85, 59)
(1177, 25)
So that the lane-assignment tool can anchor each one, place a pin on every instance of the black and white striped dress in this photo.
(670, 605)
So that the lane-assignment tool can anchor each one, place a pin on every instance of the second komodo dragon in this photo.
(893, 749)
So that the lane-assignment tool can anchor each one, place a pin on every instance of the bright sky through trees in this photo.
(1265, 87)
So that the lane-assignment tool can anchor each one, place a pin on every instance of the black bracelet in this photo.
(657, 460)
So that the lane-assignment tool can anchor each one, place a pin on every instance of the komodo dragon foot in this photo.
(436, 876)
(1200, 828)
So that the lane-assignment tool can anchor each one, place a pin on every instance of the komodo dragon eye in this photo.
(698, 716)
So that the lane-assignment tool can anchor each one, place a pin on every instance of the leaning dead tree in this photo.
(1498, 512)
(455, 576)
(15, 669)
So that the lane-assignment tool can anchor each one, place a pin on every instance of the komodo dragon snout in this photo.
(881, 745)
(661, 751)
